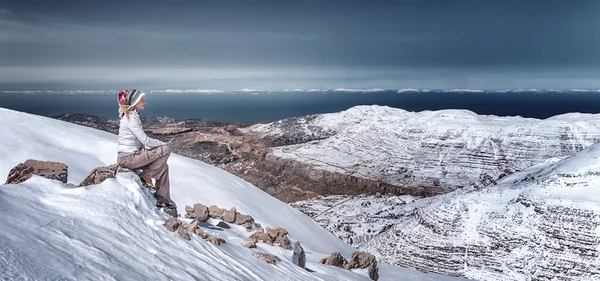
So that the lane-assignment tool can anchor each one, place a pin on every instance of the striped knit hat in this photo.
(130, 97)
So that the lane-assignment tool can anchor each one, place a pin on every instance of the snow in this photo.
(112, 231)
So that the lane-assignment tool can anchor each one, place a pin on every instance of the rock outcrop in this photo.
(50, 170)
(268, 258)
(299, 256)
(273, 236)
(364, 260)
(100, 174)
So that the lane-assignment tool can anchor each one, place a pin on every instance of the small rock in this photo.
(200, 232)
(250, 243)
(223, 224)
(216, 241)
(172, 224)
(335, 259)
(268, 258)
(299, 256)
(189, 212)
(248, 225)
(241, 219)
(258, 226)
(183, 233)
(215, 212)
(201, 212)
(98, 175)
(46, 169)
(192, 227)
(277, 231)
(283, 242)
(262, 237)
(229, 216)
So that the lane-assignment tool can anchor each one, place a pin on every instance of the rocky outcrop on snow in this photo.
(268, 258)
(273, 236)
(539, 224)
(430, 150)
(47, 169)
(202, 213)
(100, 174)
(359, 260)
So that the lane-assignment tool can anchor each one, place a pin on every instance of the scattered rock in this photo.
(215, 240)
(268, 258)
(215, 212)
(192, 227)
(335, 259)
(229, 216)
(299, 256)
(364, 260)
(283, 242)
(277, 231)
(200, 232)
(201, 212)
(262, 237)
(250, 243)
(183, 233)
(223, 224)
(46, 169)
(189, 212)
(172, 224)
(248, 225)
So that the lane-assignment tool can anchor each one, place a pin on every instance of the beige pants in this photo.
(153, 163)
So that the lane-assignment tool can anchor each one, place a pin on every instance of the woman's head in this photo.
(130, 99)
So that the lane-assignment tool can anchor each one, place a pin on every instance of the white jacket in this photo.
(132, 137)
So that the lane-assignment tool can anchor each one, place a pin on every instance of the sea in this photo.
(262, 106)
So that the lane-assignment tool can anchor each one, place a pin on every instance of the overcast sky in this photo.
(301, 44)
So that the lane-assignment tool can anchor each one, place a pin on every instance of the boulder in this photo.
(335, 259)
(100, 174)
(46, 169)
(229, 216)
(268, 258)
(215, 212)
(299, 256)
(364, 260)
(283, 242)
(201, 212)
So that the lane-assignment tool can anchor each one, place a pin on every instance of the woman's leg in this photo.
(154, 164)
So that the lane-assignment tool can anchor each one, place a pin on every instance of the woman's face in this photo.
(140, 105)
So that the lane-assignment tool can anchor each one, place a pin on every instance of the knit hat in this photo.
(130, 97)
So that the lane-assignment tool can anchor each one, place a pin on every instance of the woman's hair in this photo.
(125, 111)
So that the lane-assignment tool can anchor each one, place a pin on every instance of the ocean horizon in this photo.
(249, 106)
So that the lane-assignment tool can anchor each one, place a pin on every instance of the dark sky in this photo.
(302, 44)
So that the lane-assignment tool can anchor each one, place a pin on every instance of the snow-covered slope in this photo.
(539, 224)
(441, 150)
(111, 231)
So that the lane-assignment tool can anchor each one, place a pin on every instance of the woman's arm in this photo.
(135, 125)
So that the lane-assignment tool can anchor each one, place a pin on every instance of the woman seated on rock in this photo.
(138, 151)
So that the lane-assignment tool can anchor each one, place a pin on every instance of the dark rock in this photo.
(183, 233)
(223, 224)
(46, 169)
(283, 242)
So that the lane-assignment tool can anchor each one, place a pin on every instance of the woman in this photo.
(138, 151)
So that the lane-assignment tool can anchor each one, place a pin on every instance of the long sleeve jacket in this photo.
(132, 137)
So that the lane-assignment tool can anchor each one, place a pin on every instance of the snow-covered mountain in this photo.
(112, 231)
(539, 224)
(430, 151)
